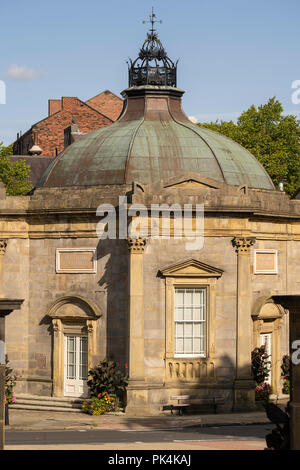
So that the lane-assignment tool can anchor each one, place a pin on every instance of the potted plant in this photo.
(260, 366)
(285, 374)
(263, 391)
(10, 382)
(107, 385)
(103, 403)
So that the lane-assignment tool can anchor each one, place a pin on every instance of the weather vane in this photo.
(152, 21)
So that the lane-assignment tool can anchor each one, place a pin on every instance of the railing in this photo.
(152, 76)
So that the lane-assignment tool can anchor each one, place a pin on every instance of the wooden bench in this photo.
(213, 400)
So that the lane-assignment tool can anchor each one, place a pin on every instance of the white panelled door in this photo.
(76, 365)
(265, 340)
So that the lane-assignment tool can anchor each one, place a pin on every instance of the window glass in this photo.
(190, 321)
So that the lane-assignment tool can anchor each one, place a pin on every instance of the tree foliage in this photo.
(14, 175)
(272, 137)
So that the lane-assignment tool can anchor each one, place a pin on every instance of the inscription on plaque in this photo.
(265, 262)
(77, 260)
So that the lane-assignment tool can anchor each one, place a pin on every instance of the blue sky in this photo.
(232, 53)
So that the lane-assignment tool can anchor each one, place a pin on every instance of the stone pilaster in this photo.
(3, 245)
(58, 358)
(2, 406)
(295, 375)
(137, 395)
(292, 303)
(244, 391)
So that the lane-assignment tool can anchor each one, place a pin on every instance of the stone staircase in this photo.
(38, 403)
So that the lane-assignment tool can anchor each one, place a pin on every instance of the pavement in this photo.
(29, 420)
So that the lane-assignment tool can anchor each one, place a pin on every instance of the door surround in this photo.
(268, 318)
(71, 315)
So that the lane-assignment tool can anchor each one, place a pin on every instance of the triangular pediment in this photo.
(191, 268)
(192, 180)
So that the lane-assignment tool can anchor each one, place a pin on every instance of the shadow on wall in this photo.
(205, 378)
(112, 256)
(219, 386)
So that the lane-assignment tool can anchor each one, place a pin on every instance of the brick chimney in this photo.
(53, 106)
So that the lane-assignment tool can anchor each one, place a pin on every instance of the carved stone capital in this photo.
(136, 245)
(56, 325)
(3, 245)
(90, 326)
(242, 244)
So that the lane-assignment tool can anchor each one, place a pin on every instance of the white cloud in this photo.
(23, 73)
(193, 119)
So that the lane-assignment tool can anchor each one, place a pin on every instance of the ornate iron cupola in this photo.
(152, 66)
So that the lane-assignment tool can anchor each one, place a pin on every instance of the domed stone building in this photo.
(183, 308)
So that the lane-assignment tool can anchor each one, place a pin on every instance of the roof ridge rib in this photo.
(192, 129)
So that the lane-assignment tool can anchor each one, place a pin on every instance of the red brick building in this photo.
(107, 103)
(48, 134)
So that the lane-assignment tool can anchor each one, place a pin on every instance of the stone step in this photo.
(20, 406)
(23, 396)
(38, 403)
(33, 402)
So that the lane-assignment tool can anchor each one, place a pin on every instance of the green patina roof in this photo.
(148, 151)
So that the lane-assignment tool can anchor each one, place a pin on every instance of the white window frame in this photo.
(93, 270)
(266, 271)
(187, 355)
(210, 285)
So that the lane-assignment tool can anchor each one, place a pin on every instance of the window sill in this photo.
(187, 356)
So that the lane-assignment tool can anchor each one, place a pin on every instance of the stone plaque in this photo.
(265, 262)
(157, 104)
(75, 260)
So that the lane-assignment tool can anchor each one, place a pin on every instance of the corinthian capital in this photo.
(242, 244)
(3, 245)
(136, 245)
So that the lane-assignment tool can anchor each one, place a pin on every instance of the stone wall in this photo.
(217, 253)
(35, 227)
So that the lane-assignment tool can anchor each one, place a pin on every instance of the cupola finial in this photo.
(152, 66)
(152, 21)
